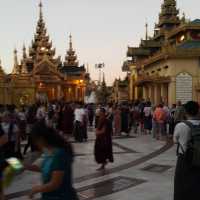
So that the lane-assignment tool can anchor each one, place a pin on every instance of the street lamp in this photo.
(100, 66)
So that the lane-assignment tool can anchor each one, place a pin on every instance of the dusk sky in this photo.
(101, 29)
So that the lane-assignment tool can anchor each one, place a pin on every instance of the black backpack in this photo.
(192, 153)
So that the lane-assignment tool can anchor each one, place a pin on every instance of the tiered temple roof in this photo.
(71, 65)
(41, 49)
(71, 58)
(168, 17)
(172, 36)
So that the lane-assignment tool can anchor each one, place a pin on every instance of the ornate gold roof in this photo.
(71, 58)
(41, 45)
(169, 14)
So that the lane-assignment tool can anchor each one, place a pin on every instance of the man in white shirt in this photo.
(79, 114)
(186, 182)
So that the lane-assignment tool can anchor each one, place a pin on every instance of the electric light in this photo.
(182, 38)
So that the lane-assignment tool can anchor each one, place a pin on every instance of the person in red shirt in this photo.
(159, 117)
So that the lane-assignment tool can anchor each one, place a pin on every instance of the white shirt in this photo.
(6, 126)
(79, 114)
(182, 134)
(147, 111)
(22, 116)
(41, 113)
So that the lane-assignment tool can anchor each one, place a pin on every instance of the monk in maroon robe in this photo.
(67, 120)
(103, 144)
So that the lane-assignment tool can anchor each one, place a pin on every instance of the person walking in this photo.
(56, 167)
(125, 114)
(85, 124)
(117, 121)
(91, 114)
(159, 117)
(67, 120)
(147, 118)
(187, 174)
(79, 114)
(103, 144)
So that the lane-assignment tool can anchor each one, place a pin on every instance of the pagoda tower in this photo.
(16, 67)
(41, 45)
(168, 18)
(71, 58)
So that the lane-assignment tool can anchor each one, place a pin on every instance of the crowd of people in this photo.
(47, 128)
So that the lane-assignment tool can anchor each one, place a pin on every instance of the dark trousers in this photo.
(186, 181)
(78, 131)
(91, 119)
(29, 144)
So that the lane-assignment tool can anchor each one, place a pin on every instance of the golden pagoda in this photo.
(41, 76)
(165, 67)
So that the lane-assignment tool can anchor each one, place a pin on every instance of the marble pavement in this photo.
(143, 170)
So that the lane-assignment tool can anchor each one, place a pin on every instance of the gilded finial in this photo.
(70, 42)
(146, 26)
(40, 6)
(24, 51)
(88, 68)
(15, 51)
(16, 64)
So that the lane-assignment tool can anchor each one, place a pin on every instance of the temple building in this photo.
(40, 75)
(166, 66)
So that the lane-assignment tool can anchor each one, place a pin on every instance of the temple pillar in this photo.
(172, 92)
(157, 94)
(164, 93)
(151, 93)
(144, 94)
(76, 93)
(58, 92)
(147, 93)
(135, 92)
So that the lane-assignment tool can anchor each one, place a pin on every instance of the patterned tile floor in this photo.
(143, 170)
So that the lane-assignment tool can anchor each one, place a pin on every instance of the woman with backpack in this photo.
(187, 174)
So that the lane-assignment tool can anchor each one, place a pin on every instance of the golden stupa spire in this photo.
(41, 44)
(71, 58)
(70, 42)
(16, 64)
(146, 34)
(24, 52)
(40, 10)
